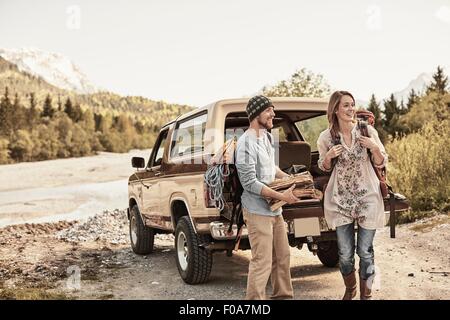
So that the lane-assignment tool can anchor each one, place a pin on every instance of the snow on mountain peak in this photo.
(52, 67)
(419, 84)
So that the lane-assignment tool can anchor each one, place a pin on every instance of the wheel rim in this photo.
(182, 250)
(133, 230)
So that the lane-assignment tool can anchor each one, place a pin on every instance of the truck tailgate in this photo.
(304, 209)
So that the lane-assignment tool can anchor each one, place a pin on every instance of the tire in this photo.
(328, 253)
(194, 263)
(141, 236)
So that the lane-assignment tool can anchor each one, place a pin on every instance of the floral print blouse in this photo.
(353, 191)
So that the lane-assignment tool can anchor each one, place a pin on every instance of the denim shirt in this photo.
(255, 162)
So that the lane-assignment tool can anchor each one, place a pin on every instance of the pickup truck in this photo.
(168, 194)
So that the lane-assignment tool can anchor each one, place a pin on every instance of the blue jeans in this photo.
(364, 249)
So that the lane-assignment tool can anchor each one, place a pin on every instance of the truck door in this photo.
(151, 195)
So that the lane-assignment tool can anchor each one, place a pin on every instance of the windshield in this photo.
(311, 129)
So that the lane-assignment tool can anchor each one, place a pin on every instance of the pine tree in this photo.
(68, 108)
(6, 114)
(32, 113)
(77, 113)
(59, 103)
(98, 119)
(48, 110)
(391, 115)
(413, 98)
(402, 108)
(374, 107)
(18, 114)
(439, 83)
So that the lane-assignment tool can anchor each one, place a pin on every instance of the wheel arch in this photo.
(179, 208)
(131, 203)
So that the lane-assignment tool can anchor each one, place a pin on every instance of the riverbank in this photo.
(64, 189)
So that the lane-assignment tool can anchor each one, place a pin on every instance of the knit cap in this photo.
(256, 105)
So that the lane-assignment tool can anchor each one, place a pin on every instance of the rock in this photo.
(410, 274)
(108, 226)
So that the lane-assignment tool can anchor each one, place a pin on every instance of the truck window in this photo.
(311, 129)
(279, 133)
(237, 123)
(188, 138)
(159, 146)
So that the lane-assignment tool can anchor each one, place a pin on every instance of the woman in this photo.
(353, 191)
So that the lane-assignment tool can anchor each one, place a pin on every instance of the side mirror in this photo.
(137, 162)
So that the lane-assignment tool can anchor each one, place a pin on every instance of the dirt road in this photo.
(93, 260)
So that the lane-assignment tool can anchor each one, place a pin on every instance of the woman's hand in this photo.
(368, 143)
(334, 152)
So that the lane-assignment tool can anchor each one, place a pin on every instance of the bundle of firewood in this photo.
(304, 188)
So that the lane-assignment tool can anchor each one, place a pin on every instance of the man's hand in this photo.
(288, 195)
(280, 174)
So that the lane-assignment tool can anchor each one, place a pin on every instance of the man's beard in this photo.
(264, 124)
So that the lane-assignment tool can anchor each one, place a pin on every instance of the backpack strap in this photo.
(392, 214)
(237, 189)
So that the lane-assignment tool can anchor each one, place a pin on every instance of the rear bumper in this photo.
(219, 229)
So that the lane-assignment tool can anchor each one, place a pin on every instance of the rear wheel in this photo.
(141, 236)
(328, 253)
(194, 263)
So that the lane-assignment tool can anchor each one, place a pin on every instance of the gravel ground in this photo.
(92, 259)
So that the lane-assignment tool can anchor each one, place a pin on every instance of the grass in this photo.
(414, 215)
(429, 225)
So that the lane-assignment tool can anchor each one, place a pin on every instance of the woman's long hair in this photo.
(333, 105)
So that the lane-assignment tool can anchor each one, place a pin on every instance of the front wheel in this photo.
(194, 263)
(328, 253)
(141, 236)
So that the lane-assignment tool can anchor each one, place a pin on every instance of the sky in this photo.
(198, 51)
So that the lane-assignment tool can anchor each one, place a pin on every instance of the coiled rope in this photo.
(214, 179)
(216, 175)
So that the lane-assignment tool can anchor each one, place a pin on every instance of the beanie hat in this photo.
(256, 105)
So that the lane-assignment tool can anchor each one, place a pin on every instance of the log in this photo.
(303, 179)
(306, 194)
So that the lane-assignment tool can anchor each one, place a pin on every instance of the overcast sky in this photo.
(198, 51)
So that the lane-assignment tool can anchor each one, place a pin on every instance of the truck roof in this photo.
(281, 101)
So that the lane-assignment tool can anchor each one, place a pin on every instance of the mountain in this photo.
(54, 68)
(24, 83)
(419, 84)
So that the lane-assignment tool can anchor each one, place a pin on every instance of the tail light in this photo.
(209, 203)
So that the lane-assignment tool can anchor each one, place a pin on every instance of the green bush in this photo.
(419, 167)
(4, 151)
(21, 146)
(433, 106)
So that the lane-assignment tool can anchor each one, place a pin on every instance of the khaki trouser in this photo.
(270, 257)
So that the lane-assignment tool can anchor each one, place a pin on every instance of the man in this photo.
(256, 167)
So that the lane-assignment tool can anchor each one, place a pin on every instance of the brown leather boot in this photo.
(365, 290)
(350, 286)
